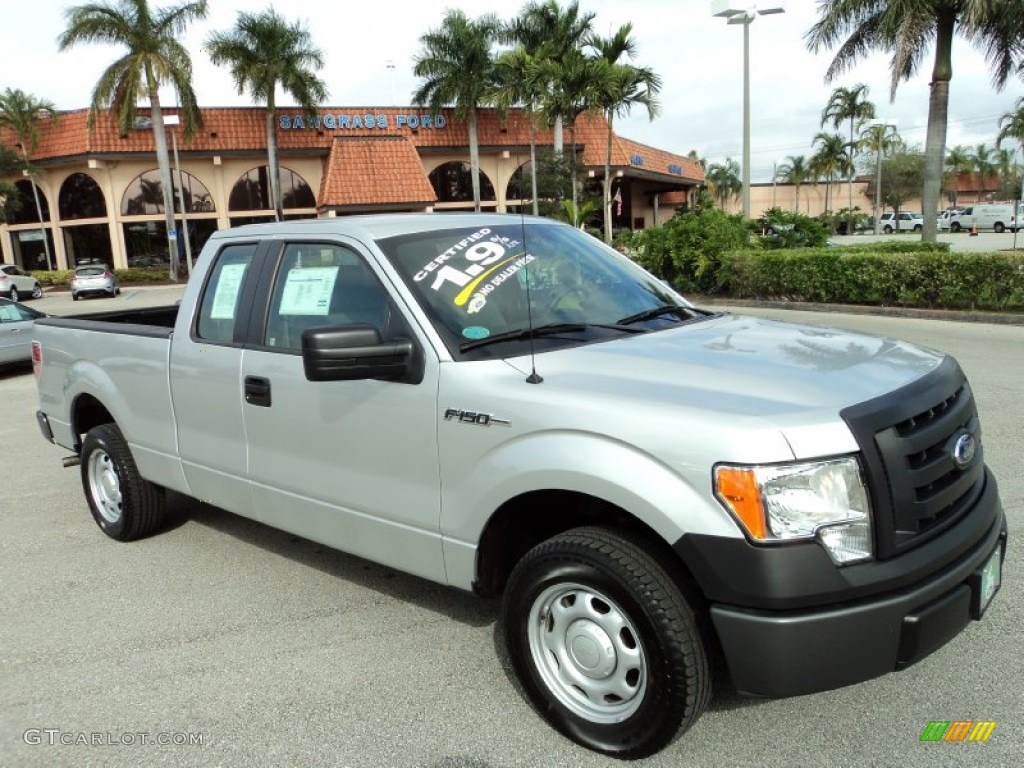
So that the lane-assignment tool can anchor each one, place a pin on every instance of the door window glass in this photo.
(320, 284)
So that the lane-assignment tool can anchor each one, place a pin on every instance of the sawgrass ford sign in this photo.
(342, 121)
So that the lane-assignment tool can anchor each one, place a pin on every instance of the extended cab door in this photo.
(206, 385)
(351, 464)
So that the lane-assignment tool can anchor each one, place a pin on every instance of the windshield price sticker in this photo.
(490, 265)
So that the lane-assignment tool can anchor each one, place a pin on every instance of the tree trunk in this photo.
(559, 139)
(39, 208)
(533, 166)
(164, 164)
(608, 184)
(572, 166)
(938, 108)
(850, 170)
(474, 159)
(274, 169)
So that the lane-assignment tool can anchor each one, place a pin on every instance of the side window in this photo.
(319, 284)
(219, 308)
(13, 313)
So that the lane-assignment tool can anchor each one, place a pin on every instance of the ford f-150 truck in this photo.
(506, 405)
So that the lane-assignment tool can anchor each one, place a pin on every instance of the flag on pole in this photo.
(618, 201)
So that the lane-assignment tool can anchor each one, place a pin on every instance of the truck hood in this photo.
(794, 377)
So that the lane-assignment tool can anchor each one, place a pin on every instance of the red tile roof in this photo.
(390, 161)
(241, 129)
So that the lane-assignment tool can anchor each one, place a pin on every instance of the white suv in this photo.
(906, 221)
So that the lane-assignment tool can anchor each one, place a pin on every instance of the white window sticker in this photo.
(226, 297)
(307, 291)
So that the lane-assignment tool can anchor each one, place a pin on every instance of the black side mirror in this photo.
(354, 352)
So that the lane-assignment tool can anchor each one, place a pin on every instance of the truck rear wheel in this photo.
(125, 506)
(604, 644)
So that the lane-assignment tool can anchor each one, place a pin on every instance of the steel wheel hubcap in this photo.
(105, 486)
(588, 652)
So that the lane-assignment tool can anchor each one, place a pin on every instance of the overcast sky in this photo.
(699, 58)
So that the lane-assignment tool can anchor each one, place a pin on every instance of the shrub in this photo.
(62, 277)
(687, 250)
(934, 278)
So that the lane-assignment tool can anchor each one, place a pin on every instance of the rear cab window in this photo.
(220, 307)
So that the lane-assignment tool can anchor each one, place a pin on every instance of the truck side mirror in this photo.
(355, 352)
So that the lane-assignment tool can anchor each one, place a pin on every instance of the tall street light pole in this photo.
(173, 120)
(738, 13)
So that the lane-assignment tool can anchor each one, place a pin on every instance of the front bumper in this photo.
(882, 623)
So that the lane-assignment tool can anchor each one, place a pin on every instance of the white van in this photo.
(995, 216)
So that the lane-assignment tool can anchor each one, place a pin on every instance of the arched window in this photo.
(252, 191)
(453, 183)
(145, 194)
(80, 198)
(27, 213)
(520, 185)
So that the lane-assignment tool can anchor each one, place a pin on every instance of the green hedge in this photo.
(62, 277)
(896, 246)
(984, 281)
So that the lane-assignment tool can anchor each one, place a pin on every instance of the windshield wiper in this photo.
(550, 329)
(687, 313)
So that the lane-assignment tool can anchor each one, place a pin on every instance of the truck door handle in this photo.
(257, 391)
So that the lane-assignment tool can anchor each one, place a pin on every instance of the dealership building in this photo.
(100, 194)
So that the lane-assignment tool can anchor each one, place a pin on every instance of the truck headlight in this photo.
(826, 500)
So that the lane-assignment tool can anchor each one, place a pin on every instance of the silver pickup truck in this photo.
(503, 404)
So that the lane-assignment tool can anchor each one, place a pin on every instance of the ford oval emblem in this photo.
(963, 450)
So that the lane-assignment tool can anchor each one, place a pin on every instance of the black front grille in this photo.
(907, 439)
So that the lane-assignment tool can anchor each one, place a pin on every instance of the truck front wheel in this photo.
(604, 644)
(125, 506)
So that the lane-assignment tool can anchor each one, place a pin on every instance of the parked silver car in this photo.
(16, 283)
(16, 331)
(92, 280)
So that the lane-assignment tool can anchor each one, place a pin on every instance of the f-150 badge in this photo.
(472, 417)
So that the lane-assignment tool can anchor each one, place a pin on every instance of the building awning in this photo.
(374, 174)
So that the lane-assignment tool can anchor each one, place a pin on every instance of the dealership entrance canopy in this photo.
(101, 197)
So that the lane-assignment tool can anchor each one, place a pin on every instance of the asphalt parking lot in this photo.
(272, 650)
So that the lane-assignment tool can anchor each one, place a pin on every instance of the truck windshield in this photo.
(489, 289)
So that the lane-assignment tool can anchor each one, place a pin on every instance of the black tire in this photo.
(955, 226)
(887, 229)
(37, 291)
(918, 227)
(999, 227)
(653, 654)
(75, 297)
(14, 293)
(124, 505)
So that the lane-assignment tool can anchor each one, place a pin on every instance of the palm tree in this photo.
(958, 162)
(265, 52)
(558, 34)
(908, 30)
(880, 139)
(1011, 126)
(724, 180)
(849, 104)
(794, 171)
(20, 113)
(155, 57)
(457, 67)
(516, 83)
(622, 87)
(984, 166)
(830, 161)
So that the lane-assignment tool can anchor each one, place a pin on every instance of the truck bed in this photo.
(147, 321)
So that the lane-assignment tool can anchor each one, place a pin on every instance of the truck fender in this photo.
(669, 500)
